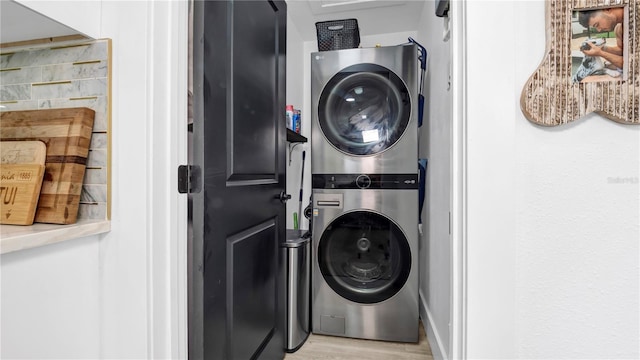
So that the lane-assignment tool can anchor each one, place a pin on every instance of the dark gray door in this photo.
(237, 216)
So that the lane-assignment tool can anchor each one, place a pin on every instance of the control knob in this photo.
(363, 181)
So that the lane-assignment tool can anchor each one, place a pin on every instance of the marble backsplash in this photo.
(73, 75)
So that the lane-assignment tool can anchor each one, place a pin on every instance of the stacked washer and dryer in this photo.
(365, 193)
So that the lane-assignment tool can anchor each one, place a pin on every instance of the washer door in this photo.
(364, 109)
(364, 257)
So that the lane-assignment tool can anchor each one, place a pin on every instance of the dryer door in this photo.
(364, 257)
(364, 109)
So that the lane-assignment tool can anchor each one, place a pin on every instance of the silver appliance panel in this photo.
(402, 61)
(393, 319)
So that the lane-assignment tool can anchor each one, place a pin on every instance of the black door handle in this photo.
(283, 197)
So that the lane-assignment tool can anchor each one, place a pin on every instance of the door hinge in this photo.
(188, 176)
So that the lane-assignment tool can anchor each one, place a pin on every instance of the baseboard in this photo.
(437, 349)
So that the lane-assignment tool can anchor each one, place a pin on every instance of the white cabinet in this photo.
(83, 16)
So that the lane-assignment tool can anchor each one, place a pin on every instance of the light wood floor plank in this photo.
(323, 347)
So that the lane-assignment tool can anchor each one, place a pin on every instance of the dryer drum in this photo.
(363, 270)
(364, 257)
(365, 112)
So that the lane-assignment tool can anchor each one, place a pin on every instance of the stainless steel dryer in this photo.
(365, 110)
(365, 256)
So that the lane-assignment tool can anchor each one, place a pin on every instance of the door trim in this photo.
(458, 202)
(166, 242)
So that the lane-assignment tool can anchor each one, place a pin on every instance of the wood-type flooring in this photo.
(323, 347)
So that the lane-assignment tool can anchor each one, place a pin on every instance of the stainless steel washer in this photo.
(365, 110)
(365, 257)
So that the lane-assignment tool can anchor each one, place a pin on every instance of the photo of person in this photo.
(597, 44)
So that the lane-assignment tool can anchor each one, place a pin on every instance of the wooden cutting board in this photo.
(22, 152)
(67, 135)
(21, 171)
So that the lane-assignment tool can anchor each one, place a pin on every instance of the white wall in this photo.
(114, 295)
(50, 302)
(435, 144)
(552, 245)
(296, 62)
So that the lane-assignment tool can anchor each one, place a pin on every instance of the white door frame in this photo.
(458, 221)
(167, 72)
(167, 324)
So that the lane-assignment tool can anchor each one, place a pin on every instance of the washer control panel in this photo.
(364, 181)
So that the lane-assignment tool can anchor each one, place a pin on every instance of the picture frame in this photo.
(556, 93)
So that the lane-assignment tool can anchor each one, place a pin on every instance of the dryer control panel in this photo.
(364, 181)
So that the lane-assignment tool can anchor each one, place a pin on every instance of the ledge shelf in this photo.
(16, 237)
(294, 137)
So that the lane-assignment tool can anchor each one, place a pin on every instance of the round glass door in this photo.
(364, 109)
(364, 257)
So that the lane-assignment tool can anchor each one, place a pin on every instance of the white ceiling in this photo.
(19, 23)
(374, 16)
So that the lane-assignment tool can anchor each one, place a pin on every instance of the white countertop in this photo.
(16, 237)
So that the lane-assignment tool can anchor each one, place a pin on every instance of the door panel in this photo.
(255, 70)
(237, 220)
(251, 288)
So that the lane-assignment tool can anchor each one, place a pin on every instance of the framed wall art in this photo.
(591, 63)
